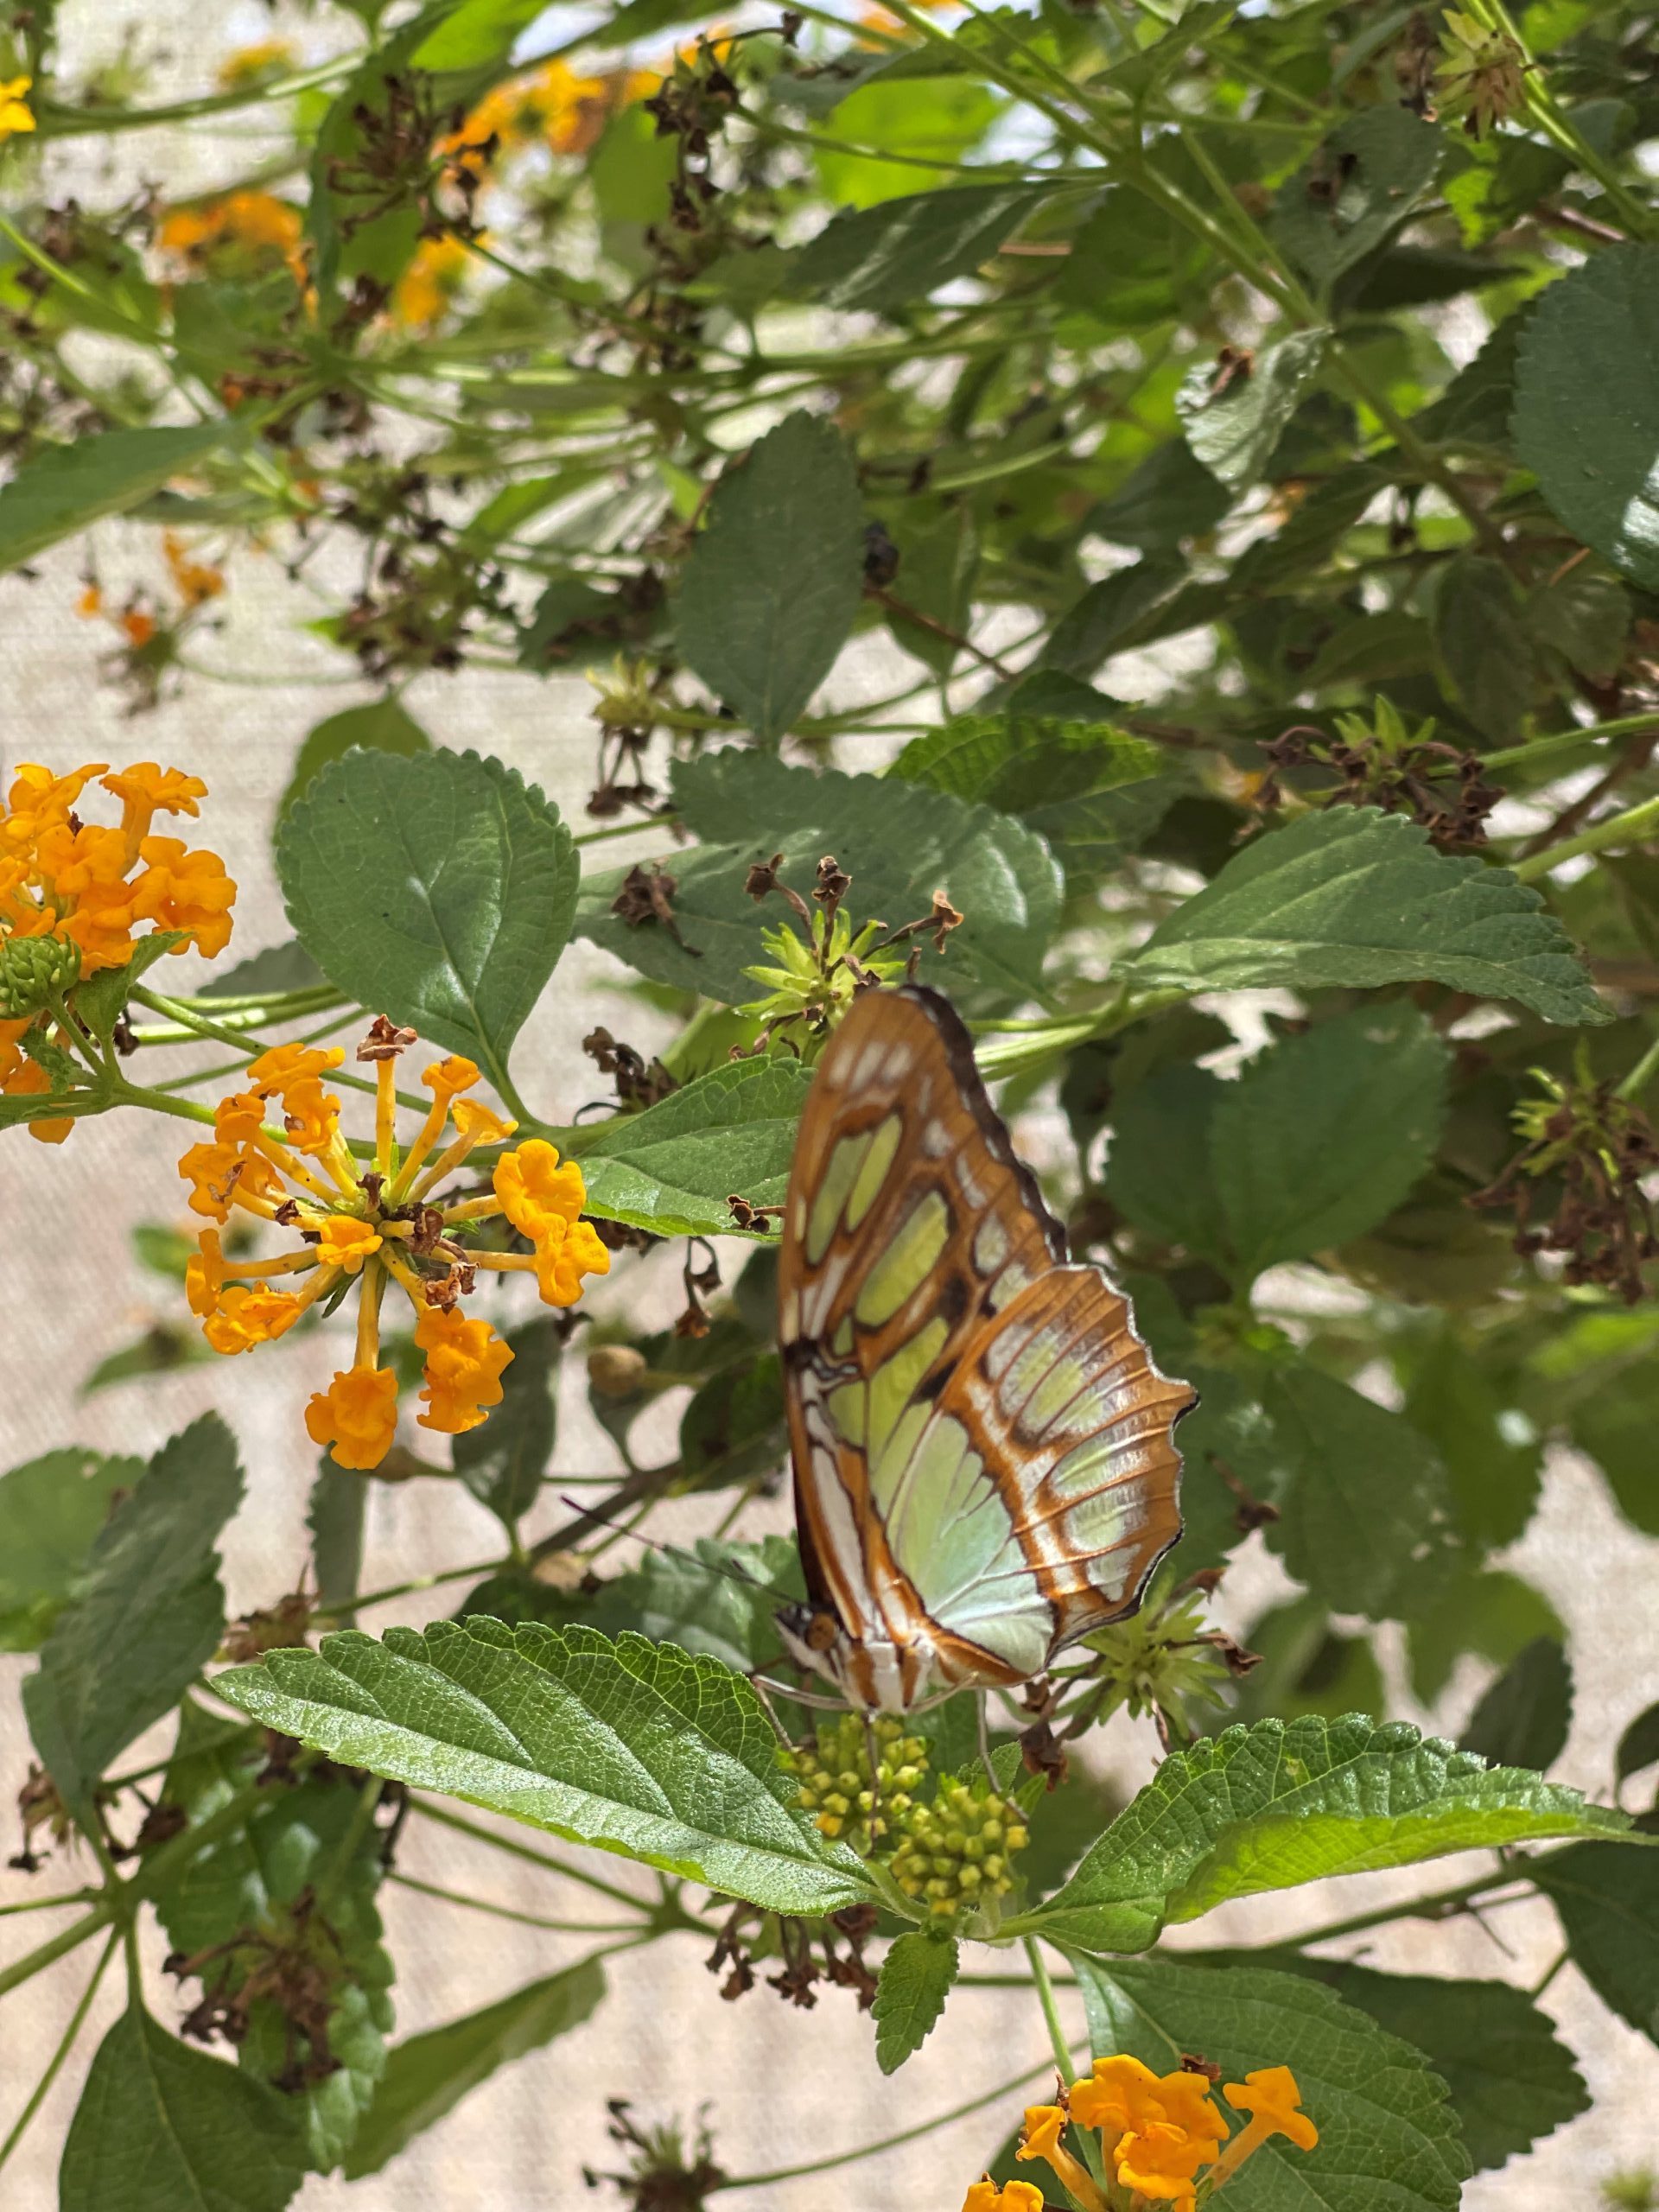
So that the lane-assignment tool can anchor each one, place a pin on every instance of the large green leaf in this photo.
(1091, 790)
(1325, 1134)
(1495, 1477)
(502, 1463)
(382, 726)
(916, 1978)
(672, 1168)
(428, 2074)
(773, 581)
(1524, 1718)
(1354, 898)
(1161, 1172)
(438, 889)
(148, 1613)
(1271, 1806)
(65, 487)
(899, 842)
(163, 2128)
(51, 1510)
(1512, 2082)
(1359, 187)
(1388, 2136)
(633, 1746)
(1597, 466)
(896, 254)
(1233, 422)
(1364, 1511)
(1608, 1900)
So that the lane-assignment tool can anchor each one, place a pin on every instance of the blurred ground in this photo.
(782, 2086)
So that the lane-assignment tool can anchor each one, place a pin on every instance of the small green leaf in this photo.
(1523, 1719)
(161, 2127)
(439, 890)
(1271, 1806)
(427, 2075)
(773, 581)
(51, 1511)
(1639, 1747)
(1365, 1513)
(102, 998)
(633, 1746)
(1360, 186)
(1161, 1172)
(1484, 636)
(476, 34)
(1495, 1479)
(65, 487)
(162, 1349)
(279, 968)
(1596, 464)
(672, 1168)
(1106, 619)
(1324, 1134)
(896, 254)
(147, 1614)
(1354, 898)
(1608, 1900)
(1388, 2135)
(335, 1516)
(1233, 425)
(916, 1978)
(382, 726)
(1164, 500)
(502, 1463)
(719, 1598)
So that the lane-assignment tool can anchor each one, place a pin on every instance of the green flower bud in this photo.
(32, 969)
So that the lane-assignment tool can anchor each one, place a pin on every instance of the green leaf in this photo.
(1164, 499)
(147, 1616)
(1484, 636)
(162, 1349)
(899, 844)
(1608, 1901)
(1307, 1666)
(476, 34)
(1233, 425)
(101, 1000)
(916, 1978)
(279, 968)
(1494, 1614)
(1365, 1515)
(916, 121)
(1160, 1171)
(1271, 1806)
(502, 1463)
(353, 229)
(1324, 1134)
(718, 1598)
(1584, 617)
(335, 1516)
(1639, 1747)
(735, 1428)
(1361, 185)
(896, 254)
(1388, 2136)
(65, 488)
(672, 1168)
(1523, 1719)
(1094, 791)
(1356, 899)
(382, 726)
(773, 581)
(633, 1746)
(427, 2075)
(439, 890)
(1511, 2082)
(1495, 1480)
(1596, 466)
(51, 1511)
(939, 560)
(1105, 618)
(163, 2128)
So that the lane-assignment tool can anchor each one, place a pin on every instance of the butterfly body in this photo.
(984, 1469)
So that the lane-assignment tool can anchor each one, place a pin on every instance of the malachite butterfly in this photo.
(985, 1468)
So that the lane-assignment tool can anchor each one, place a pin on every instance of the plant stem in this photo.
(1050, 2010)
(1642, 1074)
(445, 1818)
(55, 1947)
(511, 1912)
(55, 2064)
(47, 1904)
(1631, 827)
(1440, 1906)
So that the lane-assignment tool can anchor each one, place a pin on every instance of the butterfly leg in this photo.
(872, 1753)
(761, 1683)
(982, 1704)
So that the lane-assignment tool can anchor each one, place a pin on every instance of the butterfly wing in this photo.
(982, 1454)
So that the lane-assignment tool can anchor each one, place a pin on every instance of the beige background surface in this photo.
(781, 2085)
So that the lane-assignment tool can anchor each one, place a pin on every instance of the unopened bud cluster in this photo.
(837, 1785)
(955, 1853)
(32, 970)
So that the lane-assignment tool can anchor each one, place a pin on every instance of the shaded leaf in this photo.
(335, 1518)
(439, 890)
(51, 1511)
(1356, 897)
(733, 1428)
(1361, 185)
(1233, 423)
(1271, 1806)
(382, 726)
(772, 582)
(279, 968)
(719, 1598)
(916, 1978)
(1494, 1614)
(65, 487)
(1639, 1747)
(896, 253)
(1608, 1900)
(632, 1745)
(1160, 1171)
(1523, 1719)
(1494, 1480)
(671, 1168)
(1106, 618)
(1484, 636)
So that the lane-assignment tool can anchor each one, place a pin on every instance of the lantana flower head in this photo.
(277, 1153)
(76, 894)
(1163, 2139)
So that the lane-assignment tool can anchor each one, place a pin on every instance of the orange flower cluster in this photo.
(254, 229)
(1163, 2138)
(387, 1220)
(552, 106)
(73, 893)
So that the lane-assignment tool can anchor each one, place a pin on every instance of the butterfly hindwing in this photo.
(983, 1463)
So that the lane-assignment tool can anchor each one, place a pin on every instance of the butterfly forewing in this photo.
(982, 1445)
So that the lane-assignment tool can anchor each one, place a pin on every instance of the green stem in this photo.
(55, 1947)
(445, 1818)
(66, 2045)
(1050, 2010)
(80, 122)
(1534, 1992)
(511, 1912)
(1563, 740)
(47, 1904)
(1630, 828)
(1642, 1074)
(1439, 1906)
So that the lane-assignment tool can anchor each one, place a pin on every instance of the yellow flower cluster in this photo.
(253, 228)
(552, 106)
(836, 1785)
(16, 114)
(432, 279)
(1163, 2138)
(84, 888)
(956, 1851)
(386, 1220)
